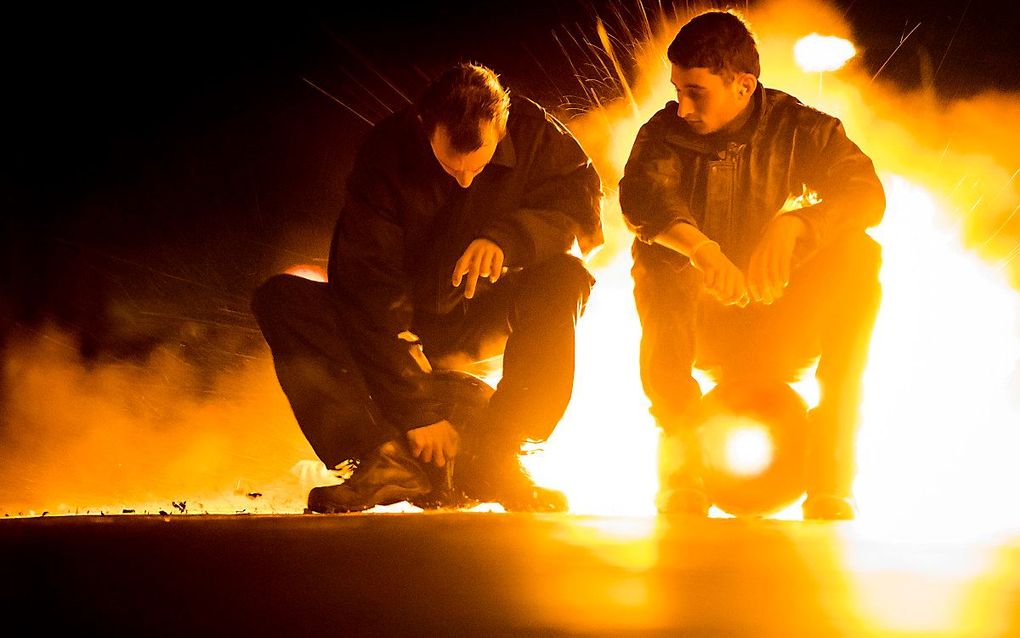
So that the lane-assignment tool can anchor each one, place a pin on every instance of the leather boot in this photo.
(387, 475)
(494, 473)
(681, 487)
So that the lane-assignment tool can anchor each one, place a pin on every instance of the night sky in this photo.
(159, 164)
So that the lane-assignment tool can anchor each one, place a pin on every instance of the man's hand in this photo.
(483, 258)
(768, 274)
(723, 280)
(436, 443)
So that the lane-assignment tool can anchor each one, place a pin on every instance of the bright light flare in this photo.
(603, 452)
(747, 450)
(308, 271)
(938, 442)
(818, 53)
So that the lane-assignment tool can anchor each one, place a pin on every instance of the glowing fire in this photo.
(307, 271)
(937, 441)
(818, 53)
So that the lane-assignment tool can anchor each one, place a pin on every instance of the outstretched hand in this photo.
(436, 443)
(483, 258)
(768, 274)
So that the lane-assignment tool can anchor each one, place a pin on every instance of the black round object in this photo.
(772, 418)
(463, 394)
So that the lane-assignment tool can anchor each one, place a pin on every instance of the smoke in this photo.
(159, 434)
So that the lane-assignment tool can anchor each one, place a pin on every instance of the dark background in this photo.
(158, 164)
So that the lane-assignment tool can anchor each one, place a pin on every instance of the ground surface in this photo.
(494, 574)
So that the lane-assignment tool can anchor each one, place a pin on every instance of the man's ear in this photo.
(746, 84)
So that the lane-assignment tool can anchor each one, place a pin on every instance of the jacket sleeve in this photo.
(650, 191)
(367, 272)
(851, 196)
(562, 200)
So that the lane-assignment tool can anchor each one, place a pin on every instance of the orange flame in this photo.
(941, 388)
(817, 53)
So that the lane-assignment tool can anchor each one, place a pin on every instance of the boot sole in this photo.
(385, 495)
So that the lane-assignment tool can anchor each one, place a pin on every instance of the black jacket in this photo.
(730, 188)
(406, 222)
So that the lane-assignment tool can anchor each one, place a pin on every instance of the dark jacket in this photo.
(730, 188)
(406, 222)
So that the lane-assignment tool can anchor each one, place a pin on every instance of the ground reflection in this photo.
(768, 578)
(511, 574)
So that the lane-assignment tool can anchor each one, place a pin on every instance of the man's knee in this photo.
(858, 254)
(848, 266)
(863, 253)
(278, 294)
(562, 277)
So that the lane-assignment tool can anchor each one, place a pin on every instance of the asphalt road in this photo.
(494, 574)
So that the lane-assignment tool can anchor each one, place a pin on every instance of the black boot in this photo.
(445, 493)
(387, 475)
(828, 507)
(494, 474)
(830, 464)
(681, 487)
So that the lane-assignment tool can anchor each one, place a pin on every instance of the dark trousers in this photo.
(331, 373)
(827, 312)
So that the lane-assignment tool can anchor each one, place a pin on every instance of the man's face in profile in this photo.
(707, 102)
(465, 167)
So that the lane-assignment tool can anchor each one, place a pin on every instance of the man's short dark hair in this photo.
(461, 99)
(719, 41)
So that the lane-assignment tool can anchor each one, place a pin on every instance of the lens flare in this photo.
(818, 53)
(747, 449)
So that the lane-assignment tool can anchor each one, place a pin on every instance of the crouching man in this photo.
(452, 246)
(732, 278)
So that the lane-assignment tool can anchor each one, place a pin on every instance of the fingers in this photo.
(775, 273)
(452, 444)
(727, 285)
(738, 291)
(497, 266)
(468, 265)
(447, 445)
(421, 445)
(436, 443)
(781, 270)
(769, 273)
(421, 450)
(472, 281)
(483, 258)
(710, 276)
(754, 277)
(461, 268)
(415, 446)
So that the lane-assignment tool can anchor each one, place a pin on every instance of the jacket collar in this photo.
(682, 135)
